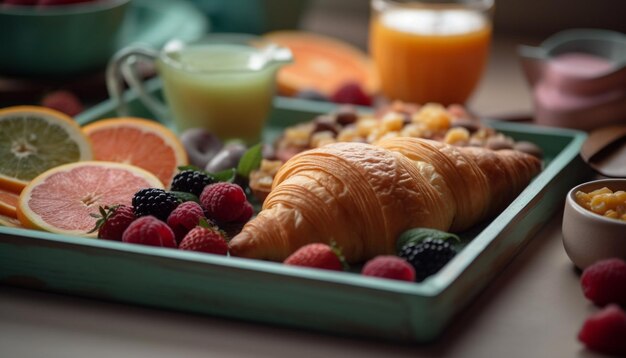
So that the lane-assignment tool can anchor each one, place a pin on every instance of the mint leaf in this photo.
(227, 175)
(250, 160)
(183, 196)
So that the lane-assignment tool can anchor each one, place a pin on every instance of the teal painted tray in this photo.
(338, 303)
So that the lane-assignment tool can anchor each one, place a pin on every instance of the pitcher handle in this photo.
(122, 68)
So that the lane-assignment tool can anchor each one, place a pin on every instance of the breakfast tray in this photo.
(343, 303)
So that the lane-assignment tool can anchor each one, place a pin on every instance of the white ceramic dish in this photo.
(587, 236)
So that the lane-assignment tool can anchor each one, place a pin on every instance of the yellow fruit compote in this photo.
(604, 202)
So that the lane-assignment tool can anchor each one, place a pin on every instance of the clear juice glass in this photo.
(212, 86)
(430, 50)
(223, 83)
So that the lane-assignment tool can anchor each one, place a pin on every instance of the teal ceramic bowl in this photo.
(59, 40)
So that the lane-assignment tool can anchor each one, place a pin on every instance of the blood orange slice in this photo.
(141, 142)
(61, 199)
(322, 63)
(8, 203)
(34, 139)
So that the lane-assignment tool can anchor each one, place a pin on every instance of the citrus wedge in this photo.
(8, 203)
(9, 221)
(62, 199)
(141, 142)
(322, 63)
(34, 139)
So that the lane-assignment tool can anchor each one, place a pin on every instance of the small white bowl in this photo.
(587, 236)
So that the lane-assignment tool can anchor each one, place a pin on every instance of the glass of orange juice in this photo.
(430, 50)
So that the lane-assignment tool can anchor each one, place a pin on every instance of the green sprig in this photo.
(104, 214)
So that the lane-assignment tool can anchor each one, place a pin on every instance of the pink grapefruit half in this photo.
(61, 199)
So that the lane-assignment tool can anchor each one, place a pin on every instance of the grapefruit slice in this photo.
(322, 63)
(8, 203)
(34, 139)
(61, 199)
(141, 142)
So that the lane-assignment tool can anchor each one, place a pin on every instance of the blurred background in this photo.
(515, 22)
(532, 19)
(503, 91)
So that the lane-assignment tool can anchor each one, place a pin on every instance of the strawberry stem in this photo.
(337, 251)
(105, 213)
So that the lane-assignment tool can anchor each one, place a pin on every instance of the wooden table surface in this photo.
(534, 308)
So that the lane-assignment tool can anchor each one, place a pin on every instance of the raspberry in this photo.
(153, 201)
(246, 213)
(427, 256)
(184, 218)
(605, 282)
(605, 331)
(205, 240)
(316, 255)
(148, 230)
(351, 93)
(233, 228)
(112, 222)
(63, 101)
(191, 181)
(224, 202)
(391, 267)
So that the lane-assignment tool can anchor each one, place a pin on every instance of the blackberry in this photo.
(153, 201)
(427, 256)
(191, 181)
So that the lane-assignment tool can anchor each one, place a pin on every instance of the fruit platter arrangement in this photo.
(352, 215)
(126, 209)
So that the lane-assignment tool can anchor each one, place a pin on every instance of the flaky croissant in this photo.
(363, 196)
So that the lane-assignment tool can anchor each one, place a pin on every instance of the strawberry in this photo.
(112, 221)
(148, 230)
(604, 282)
(63, 101)
(317, 255)
(389, 266)
(605, 331)
(205, 239)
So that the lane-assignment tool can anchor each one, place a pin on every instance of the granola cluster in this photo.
(452, 125)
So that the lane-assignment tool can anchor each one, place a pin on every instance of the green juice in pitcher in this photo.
(224, 88)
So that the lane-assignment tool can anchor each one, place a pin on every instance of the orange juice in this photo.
(429, 54)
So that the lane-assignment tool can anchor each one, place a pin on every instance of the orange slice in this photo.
(8, 203)
(61, 199)
(141, 142)
(322, 63)
(34, 139)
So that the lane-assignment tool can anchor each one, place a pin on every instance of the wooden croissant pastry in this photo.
(363, 196)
